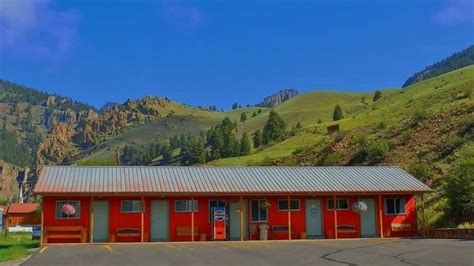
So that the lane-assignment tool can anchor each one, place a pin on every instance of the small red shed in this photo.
(22, 214)
(141, 204)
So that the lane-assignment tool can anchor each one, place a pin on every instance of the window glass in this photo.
(131, 206)
(395, 206)
(258, 212)
(294, 205)
(342, 204)
(68, 209)
(185, 205)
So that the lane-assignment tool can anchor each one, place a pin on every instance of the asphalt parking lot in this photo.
(302, 252)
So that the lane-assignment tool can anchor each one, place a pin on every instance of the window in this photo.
(68, 209)
(395, 206)
(258, 211)
(212, 204)
(185, 205)
(342, 204)
(294, 205)
(131, 206)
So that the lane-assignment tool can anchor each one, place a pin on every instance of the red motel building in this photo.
(145, 204)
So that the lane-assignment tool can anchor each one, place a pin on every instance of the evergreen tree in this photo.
(157, 149)
(245, 144)
(193, 152)
(257, 138)
(254, 114)
(167, 153)
(337, 115)
(377, 95)
(243, 117)
(274, 128)
(235, 106)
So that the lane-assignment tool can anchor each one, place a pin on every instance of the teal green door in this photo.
(367, 220)
(313, 218)
(234, 220)
(159, 220)
(101, 221)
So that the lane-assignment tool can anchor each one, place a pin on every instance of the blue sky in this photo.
(220, 52)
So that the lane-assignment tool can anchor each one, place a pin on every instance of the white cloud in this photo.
(456, 12)
(36, 28)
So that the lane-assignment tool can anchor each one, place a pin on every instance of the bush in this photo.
(377, 151)
(333, 159)
(407, 134)
(460, 192)
(420, 171)
(418, 117)
(450, 145)
(381, 125)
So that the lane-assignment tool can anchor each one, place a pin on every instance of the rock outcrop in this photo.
(279, 97)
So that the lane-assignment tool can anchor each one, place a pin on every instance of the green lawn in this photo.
(16, 246)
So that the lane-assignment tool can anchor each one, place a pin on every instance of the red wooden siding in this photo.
(201, 217)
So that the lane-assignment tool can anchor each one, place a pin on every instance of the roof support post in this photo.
(241, 216)
(142, 220)
(91, 222)
(335, 216)
(192, 219)
(42, 227)
(380, 216)
(289, 219)
(423, 225)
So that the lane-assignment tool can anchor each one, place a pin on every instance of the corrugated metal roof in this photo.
(170, 179)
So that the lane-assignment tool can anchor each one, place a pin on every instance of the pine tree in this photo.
(257, 138)
(254, 114)
(274, 128)
(235, 106)
(245, 144)
(377, 95)
(167, 153)
(243, 117)
(337, 115)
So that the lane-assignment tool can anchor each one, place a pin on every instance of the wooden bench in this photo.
(282, 229)
(400, 227)
(65, 232)
(186, 231)
(346, 228)
(128, 232)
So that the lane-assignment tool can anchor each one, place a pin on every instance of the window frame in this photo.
(395, 206)
(259, 219)
(77, 206)
(195, 203)
(337, 207)
(132, 211)
(291, 210)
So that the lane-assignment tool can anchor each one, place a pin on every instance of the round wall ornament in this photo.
(359, 206)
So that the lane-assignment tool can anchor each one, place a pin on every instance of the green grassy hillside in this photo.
(437, 96)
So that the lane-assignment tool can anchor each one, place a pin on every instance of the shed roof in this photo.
(241, 180)
(22, 208)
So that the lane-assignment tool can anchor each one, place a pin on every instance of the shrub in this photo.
(418, 117)
(460, 192)
(450, 145)
(407, 134)
(333, 159)
(377, 95)
(420, 171)
(377, 151)
(381, 125)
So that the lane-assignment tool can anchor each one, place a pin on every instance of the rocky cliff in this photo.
(279, 97)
